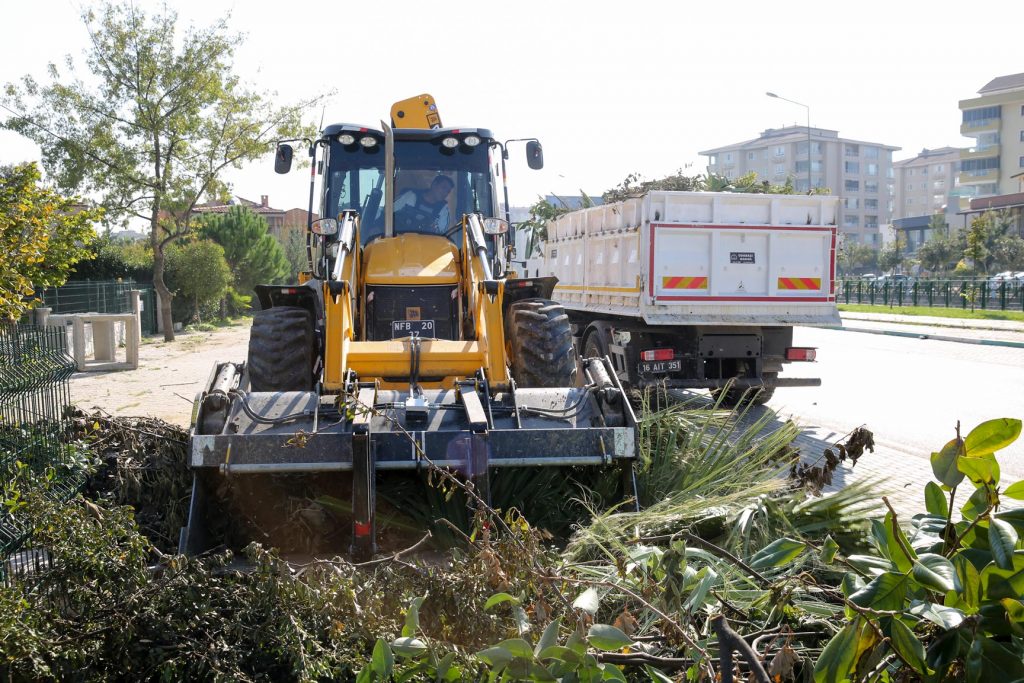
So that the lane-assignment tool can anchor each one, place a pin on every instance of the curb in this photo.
(950, 325)
(935, 337)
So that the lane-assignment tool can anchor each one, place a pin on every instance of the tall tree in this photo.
(42, 236)
(159, 120)
(252, 254)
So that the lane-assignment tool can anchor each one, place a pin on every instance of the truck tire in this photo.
(539, 340)
(281, 350)
(734, 396)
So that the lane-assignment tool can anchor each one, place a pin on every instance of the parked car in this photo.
(894, 280)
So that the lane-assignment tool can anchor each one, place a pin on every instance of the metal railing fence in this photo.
(1007, 295)
(102, 296)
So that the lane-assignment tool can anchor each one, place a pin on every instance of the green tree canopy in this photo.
(252, 254)
(939, 253)
(42, 236)
(199, 273)
(155, 124)
(854, 256)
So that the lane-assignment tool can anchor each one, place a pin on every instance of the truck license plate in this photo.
(661, 366)
(412, 328)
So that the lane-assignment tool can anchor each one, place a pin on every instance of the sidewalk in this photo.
(992, 332)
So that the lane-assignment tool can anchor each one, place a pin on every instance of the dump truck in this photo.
(407, 347)
(694, 289)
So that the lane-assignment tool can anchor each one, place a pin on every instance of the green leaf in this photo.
(989, 661)
(885, 592)
(383, 660)
(868, 563)
(588, 601)
(1015, 491)
(1002, 538)
(944, 464)
(897, 545)
(934, 572)
(445, 670)
(522, 620)
(608, 638)
(408, 647)
(908, 647)
(839, 656)
(559, 653)
(991, 436)
(656, 676)
(497, 657)
(977, 503)
(778, 553)
(935, 500)
(517, 647)
(412, 617)
(980, 470)
(499, 598)
(999, 583)
(940, 615)
(967, 581)
(549, 637)
(610, 672)
(829, 548)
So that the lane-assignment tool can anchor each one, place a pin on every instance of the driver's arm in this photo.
(444, 219)
(407, 198)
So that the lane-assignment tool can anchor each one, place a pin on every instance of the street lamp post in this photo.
(778, 97)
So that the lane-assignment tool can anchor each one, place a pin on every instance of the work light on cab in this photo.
(347, 139)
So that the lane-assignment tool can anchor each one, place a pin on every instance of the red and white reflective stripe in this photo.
(657, 354)
(801, 353)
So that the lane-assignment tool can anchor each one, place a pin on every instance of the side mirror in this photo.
(495, 226)
(283, 159)
(534, 155)
(325, 226)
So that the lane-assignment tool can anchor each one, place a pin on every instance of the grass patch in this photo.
(936, 312)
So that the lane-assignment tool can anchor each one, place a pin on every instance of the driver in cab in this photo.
(433, 202)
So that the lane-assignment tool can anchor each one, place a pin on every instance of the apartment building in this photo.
(926, 184)
(859, 173)
(995, 121)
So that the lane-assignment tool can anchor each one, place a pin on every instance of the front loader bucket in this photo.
(349, 439)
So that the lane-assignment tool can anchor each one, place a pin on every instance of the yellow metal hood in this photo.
(411, 259)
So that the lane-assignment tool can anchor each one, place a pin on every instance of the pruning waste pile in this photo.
(732, 570)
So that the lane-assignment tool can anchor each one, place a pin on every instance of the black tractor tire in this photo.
(281, 350)
(735, 396)
(538, 337)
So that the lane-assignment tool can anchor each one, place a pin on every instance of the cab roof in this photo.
(406, 133)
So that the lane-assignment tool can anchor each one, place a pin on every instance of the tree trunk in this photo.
(158, 273)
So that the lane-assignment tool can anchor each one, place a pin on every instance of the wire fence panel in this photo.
(102, 296)
(1007, 295)
(34, 396)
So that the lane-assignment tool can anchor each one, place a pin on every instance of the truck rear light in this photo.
(657, 354)
(799, 353)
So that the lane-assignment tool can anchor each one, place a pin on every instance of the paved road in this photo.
(910, 393)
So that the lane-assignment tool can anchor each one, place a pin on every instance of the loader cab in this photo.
(439, 175)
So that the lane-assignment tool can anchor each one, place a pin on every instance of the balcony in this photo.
(975, 177)
(972, 128)
(980, 152)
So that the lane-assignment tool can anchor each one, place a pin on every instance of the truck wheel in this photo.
(281, 348)
(539, 339)
(735, 396)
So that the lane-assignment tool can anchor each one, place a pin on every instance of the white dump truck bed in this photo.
(692, 258)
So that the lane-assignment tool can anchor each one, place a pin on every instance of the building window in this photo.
(851, 221)
(910, 187)
(871, 221)
(910, 171)
(939, 184)
(852, 150)
(1021, 164)
(780, 169)
(713, 159)
(924, 171)
(872, 169)
(852, 186)
(851, 203)
(851, 167)
(870, 152)
(750, 156)
(924, 186)
(938, 199)
(728, 156)
(979, 166)
(801, 167)
(871, 204)
(871, 186)
(1022, 136)
(780, 151)
(910, 200)
(975, 118)
(940, 169)
(801, 147)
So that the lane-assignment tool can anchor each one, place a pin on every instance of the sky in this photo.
(610, 88)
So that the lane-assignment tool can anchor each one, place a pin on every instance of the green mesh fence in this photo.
(34, 371)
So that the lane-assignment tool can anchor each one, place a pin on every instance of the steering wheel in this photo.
(412, 218)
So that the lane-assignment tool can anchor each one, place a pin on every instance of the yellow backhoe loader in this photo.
(409, 344)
